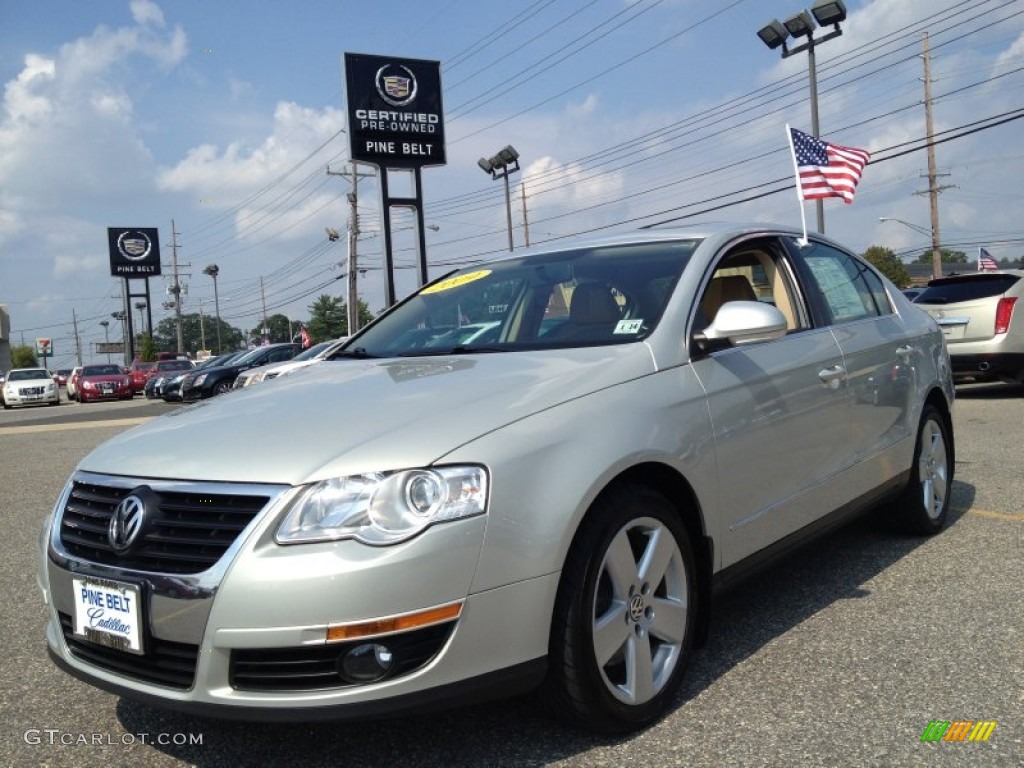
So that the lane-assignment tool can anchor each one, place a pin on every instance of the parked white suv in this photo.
(982, 317)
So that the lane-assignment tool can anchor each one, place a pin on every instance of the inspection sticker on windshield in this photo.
(456, 281)
(633, 325)
(107, 613)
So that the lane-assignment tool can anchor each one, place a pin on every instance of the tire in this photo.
(620, 642)
(221, 387)
(924, 506)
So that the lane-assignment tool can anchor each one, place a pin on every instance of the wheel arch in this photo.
(937, 399)
(680, 493)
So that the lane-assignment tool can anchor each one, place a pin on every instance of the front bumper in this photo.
(262, 603)
(16, 398)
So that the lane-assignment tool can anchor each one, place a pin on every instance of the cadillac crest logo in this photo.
(396, 84)
(126, 522)
(134, 245)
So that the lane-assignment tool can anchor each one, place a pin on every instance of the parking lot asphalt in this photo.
(840, 655)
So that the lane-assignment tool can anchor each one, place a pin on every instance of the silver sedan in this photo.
(431, 516)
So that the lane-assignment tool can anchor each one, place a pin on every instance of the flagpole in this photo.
(799, 194)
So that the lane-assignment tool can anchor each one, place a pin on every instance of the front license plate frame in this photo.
(108, 613)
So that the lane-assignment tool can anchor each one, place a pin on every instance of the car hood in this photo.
(353, 416)
(115, 378)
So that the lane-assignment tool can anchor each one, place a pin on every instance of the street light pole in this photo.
(500, 166)
(213, 270)
(141, 305)
(799, 25)
(106, 336)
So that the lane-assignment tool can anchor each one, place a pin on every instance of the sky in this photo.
(225, 118)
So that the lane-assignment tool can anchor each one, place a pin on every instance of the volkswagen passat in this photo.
(413, 525)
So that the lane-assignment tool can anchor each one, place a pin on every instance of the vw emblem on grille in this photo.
(126, 522)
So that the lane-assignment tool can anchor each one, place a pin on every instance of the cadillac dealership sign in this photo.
(395, 117)
(134, 253)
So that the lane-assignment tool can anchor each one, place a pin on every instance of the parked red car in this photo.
(104, 382)
(140, 373)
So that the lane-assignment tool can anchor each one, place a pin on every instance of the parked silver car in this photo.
(410, 525)
(984, 327)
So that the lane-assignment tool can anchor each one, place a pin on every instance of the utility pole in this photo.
(78, 340)
(933, 186)
(264, 338)
(176, 288)
(202, 326)
(526, 221)
(352, 301)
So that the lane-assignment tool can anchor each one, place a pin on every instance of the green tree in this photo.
(327, 319)
(147, 348)
(194, 332)
(280, 328)
(24, 356)
(948, 257)
(889, 264)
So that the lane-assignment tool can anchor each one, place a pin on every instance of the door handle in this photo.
(904, 353)
(832, 376)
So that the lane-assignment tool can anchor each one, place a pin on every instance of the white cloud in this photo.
(239, 169)
(146, 12)
(22, 100)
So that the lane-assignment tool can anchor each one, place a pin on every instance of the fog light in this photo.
(366, 663)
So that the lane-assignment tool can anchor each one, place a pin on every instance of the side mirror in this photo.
(743, 322)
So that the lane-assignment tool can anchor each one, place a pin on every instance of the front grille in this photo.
(312, 668)
(164, 663)
(185, 532)
(31, 390)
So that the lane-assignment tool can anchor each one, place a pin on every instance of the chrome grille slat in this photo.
(188, 532)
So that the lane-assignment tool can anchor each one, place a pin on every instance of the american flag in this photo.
(985, 261)
(305, 337)
(825, 169)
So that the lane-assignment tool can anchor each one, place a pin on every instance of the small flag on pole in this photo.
(985, 261)
(824, 169)
(304, 337)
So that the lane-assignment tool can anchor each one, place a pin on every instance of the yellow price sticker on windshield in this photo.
(456, 281)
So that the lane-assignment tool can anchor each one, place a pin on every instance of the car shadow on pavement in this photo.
(519, 732)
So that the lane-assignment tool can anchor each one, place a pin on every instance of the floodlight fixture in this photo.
(508, 154)
(773, 34)
(828, 12)
(800, 24)
(506, 161)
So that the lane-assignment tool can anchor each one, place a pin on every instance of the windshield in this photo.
(101, 370)
(586, 297)
(316, 349)
(28, 375)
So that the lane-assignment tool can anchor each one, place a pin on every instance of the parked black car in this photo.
(208, 382)
(170, 388)
(163, 372)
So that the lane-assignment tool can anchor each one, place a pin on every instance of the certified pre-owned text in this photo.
(399, 122)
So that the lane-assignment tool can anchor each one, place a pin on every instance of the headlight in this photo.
(199, 380)
(384, 508)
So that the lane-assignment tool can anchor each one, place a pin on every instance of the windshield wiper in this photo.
(459, 350)
(359, 353)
